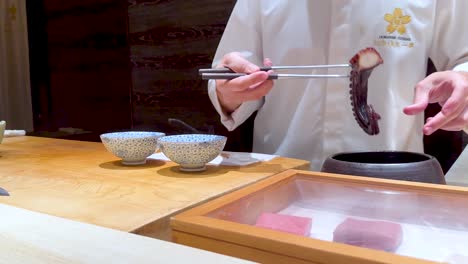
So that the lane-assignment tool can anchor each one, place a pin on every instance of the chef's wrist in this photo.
(228, 106)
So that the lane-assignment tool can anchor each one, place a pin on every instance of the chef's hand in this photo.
(450, 90)
(232, 93)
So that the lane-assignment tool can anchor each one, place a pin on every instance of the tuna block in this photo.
(381, 235)
(287, 223)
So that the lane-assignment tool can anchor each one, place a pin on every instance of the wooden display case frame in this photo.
(196, 228)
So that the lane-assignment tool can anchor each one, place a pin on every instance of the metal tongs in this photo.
(228, 74)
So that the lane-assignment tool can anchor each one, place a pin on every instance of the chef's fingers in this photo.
(446, 120)
(446, 88)
(421, 98)
(256, 92)
(452, 96)
(456, 124)
(236, 62)
(267, 62)
(244, 82)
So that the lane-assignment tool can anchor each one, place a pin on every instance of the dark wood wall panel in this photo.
(109, 65)
(88, 83)
(169, 41)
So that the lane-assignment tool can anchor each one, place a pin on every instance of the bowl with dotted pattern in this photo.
(133, 147)
(192, 151)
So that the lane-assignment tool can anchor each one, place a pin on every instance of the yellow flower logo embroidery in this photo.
(397, 21)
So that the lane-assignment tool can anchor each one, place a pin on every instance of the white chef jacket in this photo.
(312, 118)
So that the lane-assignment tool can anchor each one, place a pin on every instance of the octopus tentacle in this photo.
(362, 65)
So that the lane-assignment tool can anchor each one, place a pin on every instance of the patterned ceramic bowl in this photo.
(192, 151)
(2, 130)
(132, 147)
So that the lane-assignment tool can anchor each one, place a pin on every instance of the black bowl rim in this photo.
(429, 157)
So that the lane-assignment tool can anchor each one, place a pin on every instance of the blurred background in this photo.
(79, 68)
(110, 65)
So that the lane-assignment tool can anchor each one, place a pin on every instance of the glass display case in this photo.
(312, 217)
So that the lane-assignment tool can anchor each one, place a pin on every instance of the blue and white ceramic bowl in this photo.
(133, 147)
(192, 151)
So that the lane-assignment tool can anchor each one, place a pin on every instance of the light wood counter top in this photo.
(35, 238)
(82, 181)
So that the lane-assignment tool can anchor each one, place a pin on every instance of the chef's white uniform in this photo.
(312, 118)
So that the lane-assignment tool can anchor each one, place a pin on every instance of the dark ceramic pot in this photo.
(395, 165)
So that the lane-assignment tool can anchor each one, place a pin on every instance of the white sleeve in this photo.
(449, 48)
(236, 118)
(242, 34)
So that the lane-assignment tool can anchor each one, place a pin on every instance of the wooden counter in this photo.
(82, 181)
(35, 238)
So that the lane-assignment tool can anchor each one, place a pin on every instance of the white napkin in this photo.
(228, 158)
(14, 133)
